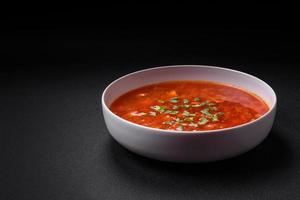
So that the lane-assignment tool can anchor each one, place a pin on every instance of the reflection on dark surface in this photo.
(267, 158)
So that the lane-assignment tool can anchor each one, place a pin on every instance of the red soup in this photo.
(189, 106)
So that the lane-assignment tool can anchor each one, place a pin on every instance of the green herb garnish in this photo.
(185, 106)
(174, 112)
(201, 104)
(168, 122)
(174, 100)
(152, 113)
(193, 125)
(159, 108)
(167, 111)
(211, 104)
(186, 113)
(188, 119)
(179, 128)
(136, 113)
(197, 99)
(213, 108)
(216, 116)
(196, 105)
(206, 112)
(171, 112)
(175, 107)
(185, 101)
(202, 121)
(178, 120)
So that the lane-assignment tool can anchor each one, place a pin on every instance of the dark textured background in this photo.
(54, 144)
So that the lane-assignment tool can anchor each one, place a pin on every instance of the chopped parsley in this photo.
(197, 99)
(168, 122)
(174, 112)
(167, 112)
(202, 121)
(185, 106)
(216, 116)
(193, 125)
(201, 104)
(188, 119)
(178, 120)
(196, 105)
(136, 113)
(186, 101)
(175, 107)
(213, 108)
(211, 104)
(159, 108)
(174, 100)
(206, 112)
(186, 113)
(171, 112)
(152, 113)
(179, 128)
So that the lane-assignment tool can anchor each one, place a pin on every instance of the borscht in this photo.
(189, 106)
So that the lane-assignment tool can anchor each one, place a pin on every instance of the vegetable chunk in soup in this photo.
(189, 106)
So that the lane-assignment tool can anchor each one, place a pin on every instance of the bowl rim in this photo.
(163, 131)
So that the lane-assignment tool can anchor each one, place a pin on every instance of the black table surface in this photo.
(54, 143)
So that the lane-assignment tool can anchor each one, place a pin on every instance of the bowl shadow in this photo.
(271, 157)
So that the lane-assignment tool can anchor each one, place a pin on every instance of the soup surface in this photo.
(189, 106)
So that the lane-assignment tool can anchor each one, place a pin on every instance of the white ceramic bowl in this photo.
(176, 146)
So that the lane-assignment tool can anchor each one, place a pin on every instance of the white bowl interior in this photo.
(189, 72)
